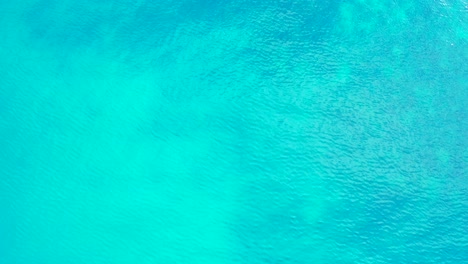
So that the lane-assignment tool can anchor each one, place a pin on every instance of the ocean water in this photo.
(233, 131)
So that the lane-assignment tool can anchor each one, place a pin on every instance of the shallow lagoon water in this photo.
(233, 131)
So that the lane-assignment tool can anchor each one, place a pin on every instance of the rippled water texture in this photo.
(236, 131)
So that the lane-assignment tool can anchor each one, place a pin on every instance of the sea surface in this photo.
(233, 131)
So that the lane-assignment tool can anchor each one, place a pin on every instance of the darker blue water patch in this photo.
(62, 26)
(148, 25)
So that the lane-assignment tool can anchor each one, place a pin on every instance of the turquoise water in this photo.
(282, 132)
